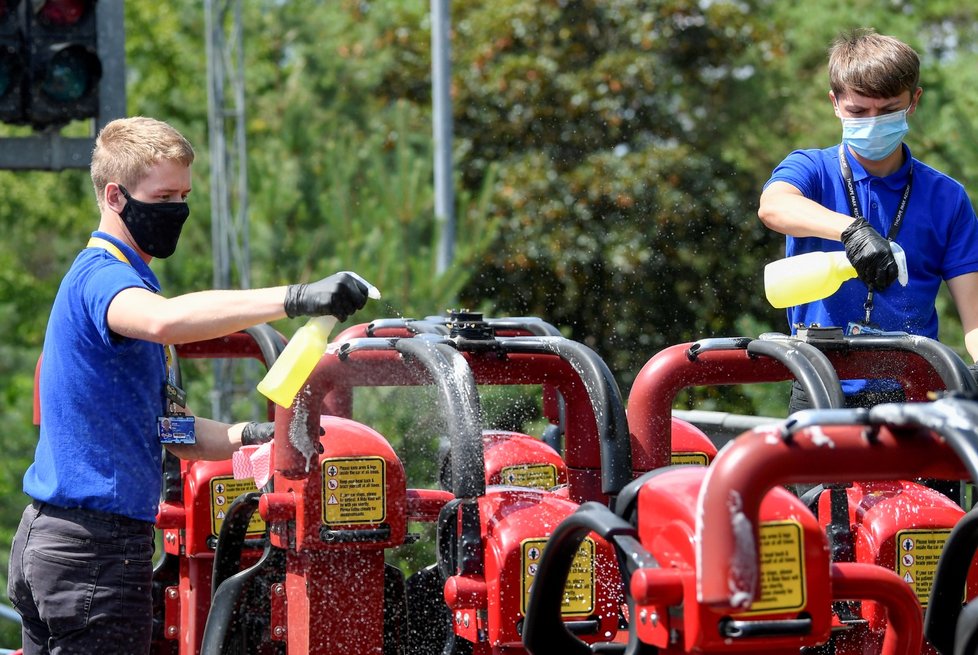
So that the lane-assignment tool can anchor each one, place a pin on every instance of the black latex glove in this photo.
(255, 434)
(338, 295)
(870, 254)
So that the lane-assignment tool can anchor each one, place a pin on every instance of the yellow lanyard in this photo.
(169, 351)
(99, 242)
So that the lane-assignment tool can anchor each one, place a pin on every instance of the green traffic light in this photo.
(70, 74)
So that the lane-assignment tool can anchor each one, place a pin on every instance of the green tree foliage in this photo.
(622, 220)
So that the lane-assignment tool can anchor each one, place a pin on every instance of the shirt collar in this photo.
(141, 267)
(895, 180)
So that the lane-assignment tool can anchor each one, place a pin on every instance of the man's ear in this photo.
(915, 100)
(835, 103)
(114, 199)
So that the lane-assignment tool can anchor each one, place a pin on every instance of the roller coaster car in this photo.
(745, 566)
(337, 595)
(881, 516)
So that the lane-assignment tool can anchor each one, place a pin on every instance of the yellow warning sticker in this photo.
(224, 489)
(917, 553)
(782, 572)
(697, 458)
(537, 476)
(578, 591)
(354, 490)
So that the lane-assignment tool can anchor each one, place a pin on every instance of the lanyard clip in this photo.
(868, 306)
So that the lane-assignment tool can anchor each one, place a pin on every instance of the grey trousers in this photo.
(82, 582)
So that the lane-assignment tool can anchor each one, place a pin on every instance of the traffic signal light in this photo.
(65, 70)
(60, 61)
(12, 63)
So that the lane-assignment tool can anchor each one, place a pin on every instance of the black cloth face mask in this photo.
(154, 226)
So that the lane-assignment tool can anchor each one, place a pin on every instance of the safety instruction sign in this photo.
(354, 490)
(782, 572)
(578, 591)
(537, 476)
(917, 553)
(697, 458)
(224, 489)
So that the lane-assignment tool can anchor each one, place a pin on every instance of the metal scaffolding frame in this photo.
(442, 128)
(229, 170)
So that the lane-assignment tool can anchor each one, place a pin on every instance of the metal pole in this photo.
(229, 180)
(441, 79)
(110, 16)
(241, 225)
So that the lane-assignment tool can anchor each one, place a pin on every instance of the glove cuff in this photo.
(293, 294)
(853, 227)
(255, 434)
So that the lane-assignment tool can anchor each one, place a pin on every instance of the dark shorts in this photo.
(82, 581)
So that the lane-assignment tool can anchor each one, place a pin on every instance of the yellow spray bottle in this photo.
(815, 275)
(300, 356)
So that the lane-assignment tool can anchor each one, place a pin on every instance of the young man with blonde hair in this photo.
(867, 192)
(81, 561)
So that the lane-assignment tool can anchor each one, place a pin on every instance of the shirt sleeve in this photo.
(800, 170)
(101, 286)
(961, 254)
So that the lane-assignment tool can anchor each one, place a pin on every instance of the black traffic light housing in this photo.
(64, 63)
(60, 61)
(13, 62)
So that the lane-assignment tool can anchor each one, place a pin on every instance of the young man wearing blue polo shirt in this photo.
(81, 561)
(864, 193)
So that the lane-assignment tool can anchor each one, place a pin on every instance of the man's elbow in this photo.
(768, 216)
(165, 330)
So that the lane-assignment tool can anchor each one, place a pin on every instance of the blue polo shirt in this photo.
(100, 395)
(939, 235)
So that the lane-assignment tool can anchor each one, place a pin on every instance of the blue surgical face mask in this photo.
(876, 137)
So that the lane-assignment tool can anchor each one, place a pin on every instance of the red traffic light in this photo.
(62, 13)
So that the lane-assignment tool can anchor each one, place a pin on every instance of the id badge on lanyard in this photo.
(175, 427)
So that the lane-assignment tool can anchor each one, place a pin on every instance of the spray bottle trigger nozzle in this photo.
(372, 291)
(901, 261)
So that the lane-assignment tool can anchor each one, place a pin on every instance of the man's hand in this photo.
(255, 434)
(870, 254)
(338, 295)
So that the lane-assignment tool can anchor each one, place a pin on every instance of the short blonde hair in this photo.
(127, 148)
(872, 65)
